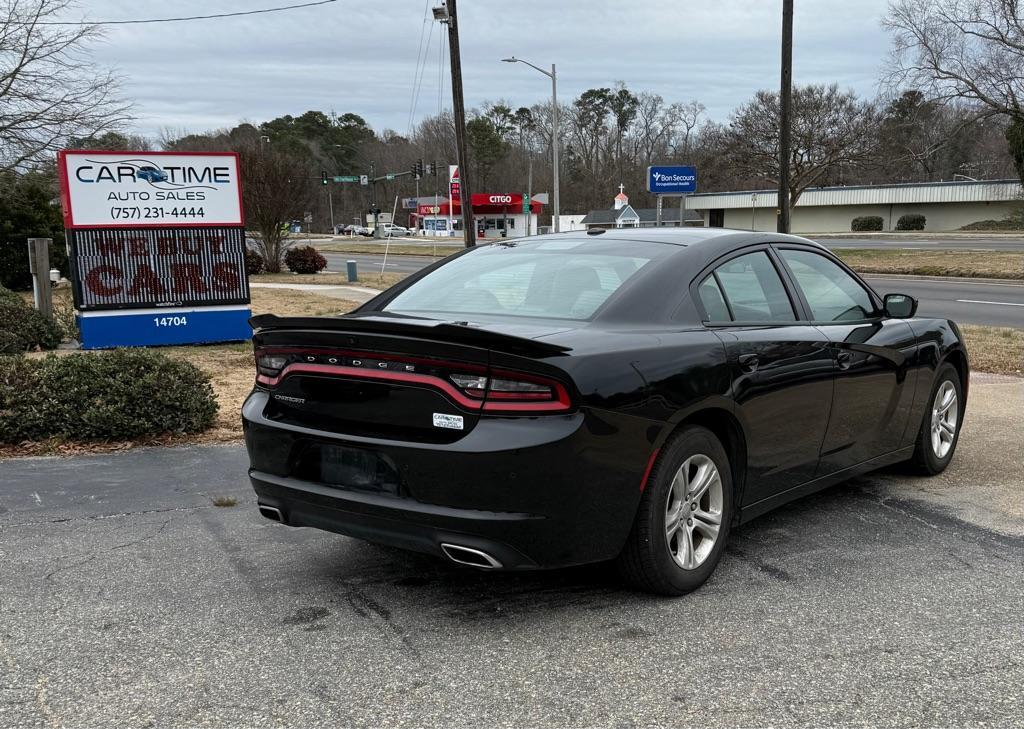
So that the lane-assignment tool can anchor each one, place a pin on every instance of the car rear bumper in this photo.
(531, 492)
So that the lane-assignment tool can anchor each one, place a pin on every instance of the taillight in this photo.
(514, 392)
(270, 365)
(470, 385)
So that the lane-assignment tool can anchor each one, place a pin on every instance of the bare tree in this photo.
(49, 90)
(830, 128)
(276, 188)
(964, 49)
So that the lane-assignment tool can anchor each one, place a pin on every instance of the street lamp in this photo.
(554, 128)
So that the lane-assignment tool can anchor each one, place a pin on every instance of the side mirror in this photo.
(899, 306)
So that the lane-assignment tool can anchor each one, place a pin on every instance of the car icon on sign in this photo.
(151, 174)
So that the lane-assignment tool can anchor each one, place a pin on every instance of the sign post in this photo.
(672, 180)
(39, 267)
(157, 247)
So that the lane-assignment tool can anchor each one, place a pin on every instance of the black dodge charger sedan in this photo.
(609, 395)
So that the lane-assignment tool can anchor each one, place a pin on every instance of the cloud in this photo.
(362, 56)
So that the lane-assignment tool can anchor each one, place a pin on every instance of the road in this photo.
(966, 301)
(938, 242)
(128, 599)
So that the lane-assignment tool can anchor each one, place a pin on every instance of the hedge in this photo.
(304, 259)
(910, 221)
(254, 262)
(22, 328)
(866, 223)
(116, 394)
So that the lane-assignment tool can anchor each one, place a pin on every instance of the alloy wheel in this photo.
(693, 511)
(945, 411)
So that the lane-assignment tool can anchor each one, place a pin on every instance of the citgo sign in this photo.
(157, 247)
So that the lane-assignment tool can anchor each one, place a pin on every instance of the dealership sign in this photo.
(671, 179)
(143, 189)
(157, 247)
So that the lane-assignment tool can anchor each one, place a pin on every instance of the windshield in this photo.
(559, 279)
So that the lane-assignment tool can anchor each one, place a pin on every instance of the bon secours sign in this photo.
(671, 179)
(157, 247)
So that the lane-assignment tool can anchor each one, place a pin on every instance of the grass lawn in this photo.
(995, 349)
(368, 278)
(972, 264)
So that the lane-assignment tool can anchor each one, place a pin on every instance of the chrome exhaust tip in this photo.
(470, 557)
(272, 513)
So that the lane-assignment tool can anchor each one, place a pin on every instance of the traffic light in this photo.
(432, 168)
(417, 169)
(323, 177)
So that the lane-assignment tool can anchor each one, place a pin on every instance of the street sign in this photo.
(364, 179)
(347, 178)
(671, 179)
(526, 204)
(389, 176)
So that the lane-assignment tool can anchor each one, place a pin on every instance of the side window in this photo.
(714, 302)
(753, 290)
(832, 293)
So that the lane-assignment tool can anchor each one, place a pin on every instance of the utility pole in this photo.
(556, 210)
(459, 109)
(785, 114)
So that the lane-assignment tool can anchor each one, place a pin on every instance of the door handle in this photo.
(748, 362)
(844, 359)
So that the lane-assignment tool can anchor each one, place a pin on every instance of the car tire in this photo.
(661, 560)
(935, 444)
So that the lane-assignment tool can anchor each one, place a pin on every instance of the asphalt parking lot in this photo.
(127, 599)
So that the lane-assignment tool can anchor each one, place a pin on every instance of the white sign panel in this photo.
(149, 189)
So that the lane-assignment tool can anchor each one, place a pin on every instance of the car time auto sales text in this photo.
(175, 174)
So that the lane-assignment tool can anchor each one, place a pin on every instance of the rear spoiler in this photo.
(441, 331)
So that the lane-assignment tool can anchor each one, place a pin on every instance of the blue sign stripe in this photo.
(154, 327)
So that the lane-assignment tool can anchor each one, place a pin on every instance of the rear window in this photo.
(559, 279)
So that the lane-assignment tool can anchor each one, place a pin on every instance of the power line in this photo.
(175, 20)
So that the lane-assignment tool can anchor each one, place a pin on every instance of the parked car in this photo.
(609, 395)
(392, 230)
(356, 230)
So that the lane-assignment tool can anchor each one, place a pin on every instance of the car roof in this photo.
(685, 236)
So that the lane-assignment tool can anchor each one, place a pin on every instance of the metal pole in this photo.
(657, 218)
(785, 112)
(753, 204)
(39, 267)
(529, 194)
(459, 110)
(682, 210)
(554, 146)
(373, 202)
(330, 203)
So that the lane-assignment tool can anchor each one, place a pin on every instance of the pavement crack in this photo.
(140, 540)
(98, 517)
(116, 547)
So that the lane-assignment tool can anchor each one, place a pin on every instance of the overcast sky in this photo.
(362, 56)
